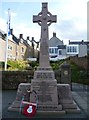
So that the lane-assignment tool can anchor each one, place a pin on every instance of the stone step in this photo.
(69, 106)
(49, 108)
(73, 110)
(62, 112)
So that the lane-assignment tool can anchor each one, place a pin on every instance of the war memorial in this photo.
(51, 97)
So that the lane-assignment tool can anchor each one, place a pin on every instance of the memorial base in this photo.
(66, 103)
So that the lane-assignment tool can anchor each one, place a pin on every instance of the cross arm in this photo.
(36, 19)
(52, 18)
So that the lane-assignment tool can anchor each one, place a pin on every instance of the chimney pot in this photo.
(11, 30)
(54, 34)
(21, 36)
(27, 37)
(32, 38)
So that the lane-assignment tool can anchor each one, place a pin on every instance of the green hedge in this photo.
(78, 74)
(11, 79)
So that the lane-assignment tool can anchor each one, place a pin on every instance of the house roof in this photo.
(61, 46)
(54, 41)
(2, 34)
(15, 39)
(79, 42)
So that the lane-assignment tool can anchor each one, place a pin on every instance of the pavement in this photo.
(80, 94)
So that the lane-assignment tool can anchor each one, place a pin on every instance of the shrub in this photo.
(33, 64)
(56, 64)
(17, 64)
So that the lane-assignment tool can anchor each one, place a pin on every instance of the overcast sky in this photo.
(71, 18)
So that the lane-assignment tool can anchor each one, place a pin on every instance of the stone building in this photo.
(80, 48)
(18, 48)
(2, 46)
(57, 49)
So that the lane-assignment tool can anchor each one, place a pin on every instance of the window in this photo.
(10, 56)
(22, 50)
(72, 49)
(9, 47)
(53, 50)
(68, 49)
(60, 52)
(49, 50)
(56, 50)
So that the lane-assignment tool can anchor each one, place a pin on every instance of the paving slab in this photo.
(9, 95)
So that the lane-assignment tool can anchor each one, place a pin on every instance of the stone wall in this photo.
(11, 79)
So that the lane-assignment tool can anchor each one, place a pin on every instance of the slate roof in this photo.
(79, 42)
(15, 39)
(61, 46)
(2, 34)
(54, 41)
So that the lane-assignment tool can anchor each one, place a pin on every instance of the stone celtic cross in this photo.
(44, 19)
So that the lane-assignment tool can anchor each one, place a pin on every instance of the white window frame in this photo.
(71, 47)
(10, 47)
(53, 53)
(58, 52)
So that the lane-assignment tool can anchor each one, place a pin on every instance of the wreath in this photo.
(30, 108)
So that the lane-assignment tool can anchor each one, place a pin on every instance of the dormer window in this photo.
(9, 47)
(22, 49)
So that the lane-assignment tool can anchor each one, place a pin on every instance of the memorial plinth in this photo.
(52, 97)
(45, 85)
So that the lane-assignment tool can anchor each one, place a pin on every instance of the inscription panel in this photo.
(44, 68)
(44, 76)
(44, 98)
(44, 90)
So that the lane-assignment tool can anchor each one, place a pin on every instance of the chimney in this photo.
(32, 38)
(54, 34)
(11, 30)
(20, 36)
(82, 41)
(27, 37)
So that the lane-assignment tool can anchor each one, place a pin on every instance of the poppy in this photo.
(29, 110)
